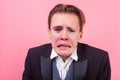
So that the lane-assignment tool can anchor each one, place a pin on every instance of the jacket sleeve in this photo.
(27, 75)
(105, 69)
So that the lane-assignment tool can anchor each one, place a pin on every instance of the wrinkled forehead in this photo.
(65, 19)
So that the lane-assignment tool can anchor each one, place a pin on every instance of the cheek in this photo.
(75, 38)
(54, 37)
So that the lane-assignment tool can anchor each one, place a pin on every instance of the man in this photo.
(65, 58)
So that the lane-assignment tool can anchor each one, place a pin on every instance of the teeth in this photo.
(63, 46)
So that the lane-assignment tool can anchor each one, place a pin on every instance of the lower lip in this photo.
(63, 47)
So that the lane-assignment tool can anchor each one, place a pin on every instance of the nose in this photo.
(64, 35)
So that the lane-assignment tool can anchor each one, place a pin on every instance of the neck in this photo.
(64, 58)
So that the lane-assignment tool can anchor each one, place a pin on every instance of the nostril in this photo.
(64, 39)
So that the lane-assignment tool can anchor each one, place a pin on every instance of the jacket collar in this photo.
(73, 56)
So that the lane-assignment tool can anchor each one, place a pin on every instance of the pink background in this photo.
(23, 24)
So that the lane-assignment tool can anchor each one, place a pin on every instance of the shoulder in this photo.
(89, 48)
(41, 47)
(91, 52)
(42, 50)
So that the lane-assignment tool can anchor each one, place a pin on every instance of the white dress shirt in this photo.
(62, 66)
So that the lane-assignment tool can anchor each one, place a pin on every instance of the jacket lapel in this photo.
(80, 69)
(46, 68)
(80, 66)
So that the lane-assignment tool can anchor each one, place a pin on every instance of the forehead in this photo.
(66, 19)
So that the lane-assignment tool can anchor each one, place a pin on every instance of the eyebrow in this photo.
(57, 27)
(60, 27)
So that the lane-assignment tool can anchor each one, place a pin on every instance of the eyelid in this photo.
(71, 30)
(57, 28)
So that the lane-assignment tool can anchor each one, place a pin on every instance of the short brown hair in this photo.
(61, 8)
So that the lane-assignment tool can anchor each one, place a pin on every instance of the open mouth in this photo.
(63, 46)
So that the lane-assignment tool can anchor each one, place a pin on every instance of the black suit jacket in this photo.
(92, 64)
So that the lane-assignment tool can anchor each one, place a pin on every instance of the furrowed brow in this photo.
(55, 27)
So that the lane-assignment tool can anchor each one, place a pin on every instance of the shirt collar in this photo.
(73, 56)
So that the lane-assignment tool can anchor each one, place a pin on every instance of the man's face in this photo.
(64, 33)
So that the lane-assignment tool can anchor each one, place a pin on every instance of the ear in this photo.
(49, 33)
(81, 34)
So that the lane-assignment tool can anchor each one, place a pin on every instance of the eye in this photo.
(57, 28)
(71, 30)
